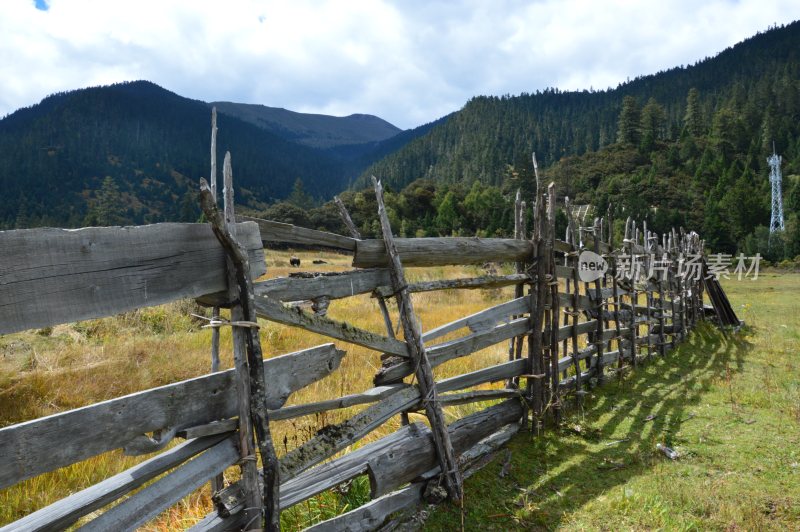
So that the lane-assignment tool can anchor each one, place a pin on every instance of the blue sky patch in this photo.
(41, 5)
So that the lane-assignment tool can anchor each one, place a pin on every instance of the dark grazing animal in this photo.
(294, 261)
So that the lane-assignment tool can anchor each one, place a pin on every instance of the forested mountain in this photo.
(315, 130)
(687, 146)
(133, 153)
(683, 147)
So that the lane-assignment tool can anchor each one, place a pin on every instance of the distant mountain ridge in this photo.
(490, 132)
(143, 148)
(315, 130)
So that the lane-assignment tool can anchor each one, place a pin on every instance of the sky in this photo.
(409, 62)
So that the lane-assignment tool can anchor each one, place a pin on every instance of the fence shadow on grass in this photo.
(602, 443)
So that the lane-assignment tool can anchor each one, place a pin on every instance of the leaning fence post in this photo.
(416, 349)
(555, 309)
(387, 319)
(348, 222)
(249, 363)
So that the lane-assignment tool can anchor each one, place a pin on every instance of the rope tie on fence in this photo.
(248, 458)
(216, 323)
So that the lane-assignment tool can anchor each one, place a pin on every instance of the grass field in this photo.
(68, 366)
(729, 403)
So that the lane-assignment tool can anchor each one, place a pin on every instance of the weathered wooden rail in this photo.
(577, 334)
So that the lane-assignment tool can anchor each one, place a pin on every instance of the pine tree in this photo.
(693, 120)
(629, 124)
(654, 119)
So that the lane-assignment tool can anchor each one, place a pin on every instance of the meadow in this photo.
(729, 403)
(55, 369)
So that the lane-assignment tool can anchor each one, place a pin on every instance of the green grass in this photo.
(729, 403)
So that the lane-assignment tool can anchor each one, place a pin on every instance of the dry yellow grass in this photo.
(52, 370)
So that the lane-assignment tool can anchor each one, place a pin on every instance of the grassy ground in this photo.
(728, 403)
(68, 366)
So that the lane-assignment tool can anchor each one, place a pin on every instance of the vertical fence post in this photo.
(630, 235)
(662, 308)
(416, 349)
(648, 292)
(246, 448)
(555, 308)
(701, 244)
(515, 344)
(249, 363)
(599, 303)
(612, 258)
(536, 370)
(218, 482)
(604, 278)
(573, 255)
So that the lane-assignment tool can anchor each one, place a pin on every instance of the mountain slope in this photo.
(315, 130)
(56, 157)
(491, 132)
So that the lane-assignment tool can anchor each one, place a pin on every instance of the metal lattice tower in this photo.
(776, 221)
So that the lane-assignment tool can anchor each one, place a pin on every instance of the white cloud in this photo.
(407, 61)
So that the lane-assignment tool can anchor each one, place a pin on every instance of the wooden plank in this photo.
(213, 522)
(492, 374)
(51, 276)
(482, 321)
(305, 286)
(477, 396)
(404, 463)
(373, 514)
(280, 232)
(372, 395)
(600, 246)
(275, 311)
(581, 328)
(351, 465)
(470, 283)
(163, 493)
(607, 293)
(442, 251)
(568, 301)
(586, 352)
(65, 512)
(334, 438)
(209, 429)
(563, 247)
(316, 480)
(467, 345)
(44, 444)
(564, 272)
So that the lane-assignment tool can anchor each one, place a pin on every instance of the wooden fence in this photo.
(563, 335)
